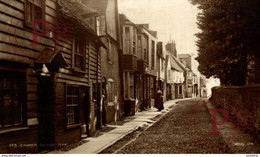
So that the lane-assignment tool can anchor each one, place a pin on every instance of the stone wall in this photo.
(242, 103)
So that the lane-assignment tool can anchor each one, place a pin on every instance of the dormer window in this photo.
(101, 25)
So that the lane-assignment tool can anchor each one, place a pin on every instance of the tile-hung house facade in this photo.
(49, 71)
(161, 62)
(128, 64)
(108, 30)
(149, 44)
(175, 76)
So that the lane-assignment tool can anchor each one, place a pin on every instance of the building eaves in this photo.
(144, 26)
(175, 65)
(185, 68)
(77, 12)
(99, 5)
(125, 20)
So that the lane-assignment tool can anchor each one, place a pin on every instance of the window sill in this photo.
(79, 71)
(109, 62)
(7, 130)
(73, 126)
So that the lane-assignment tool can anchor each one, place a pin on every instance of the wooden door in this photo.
(45, 113)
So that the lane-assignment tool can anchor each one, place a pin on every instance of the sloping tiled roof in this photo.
(76, 8)
(125, 20)
(99, 5)
(77, 12)
(146, 26)
(175, 65)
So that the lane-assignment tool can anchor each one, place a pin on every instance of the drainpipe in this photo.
(98, 103)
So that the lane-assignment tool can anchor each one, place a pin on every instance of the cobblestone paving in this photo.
(179, 132)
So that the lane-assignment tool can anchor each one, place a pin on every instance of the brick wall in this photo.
(62, 134)
(241, 100)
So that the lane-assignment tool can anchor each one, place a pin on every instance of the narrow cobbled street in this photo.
(175, 133)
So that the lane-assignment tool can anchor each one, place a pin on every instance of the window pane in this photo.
(126, 85)
(10, 98)
(102, 21)
(28, 12)
(79, 54)
(7, 107)
(38, 3)
(79, 61)
(37, 15)
(101, 25)
(72, 105)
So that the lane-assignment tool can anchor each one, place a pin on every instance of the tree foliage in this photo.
(229, 34)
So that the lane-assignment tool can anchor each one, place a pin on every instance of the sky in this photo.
(172, 19)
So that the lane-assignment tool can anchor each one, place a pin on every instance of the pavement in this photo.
(94, 145)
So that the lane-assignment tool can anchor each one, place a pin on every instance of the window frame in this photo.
(101, 25)
(139, 47)
(131, 85)
(162, 65)
(21, 98)
(127, 40)
(153, 54)
(109, 50)
(134, 42)
(110, 92)
(68, 125)
(83, 68)
(147, 51)
(27, 22)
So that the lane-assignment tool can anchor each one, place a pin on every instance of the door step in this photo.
(84, 136)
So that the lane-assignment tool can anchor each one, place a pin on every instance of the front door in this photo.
(84, 110)
(176, 91)
(45, 113)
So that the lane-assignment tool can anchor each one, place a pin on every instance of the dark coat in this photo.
(159, 100)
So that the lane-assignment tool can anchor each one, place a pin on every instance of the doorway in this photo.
(176, 92)
(85, 110)
(45, 113)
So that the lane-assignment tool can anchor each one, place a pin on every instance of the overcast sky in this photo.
(175, 19)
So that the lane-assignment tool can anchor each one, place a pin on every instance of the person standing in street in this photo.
(158, 100)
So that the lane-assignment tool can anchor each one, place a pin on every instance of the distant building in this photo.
(161, 69)
(128, 64)
(175, 78)
(148, 53)
(108, 30)
(192, 84)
